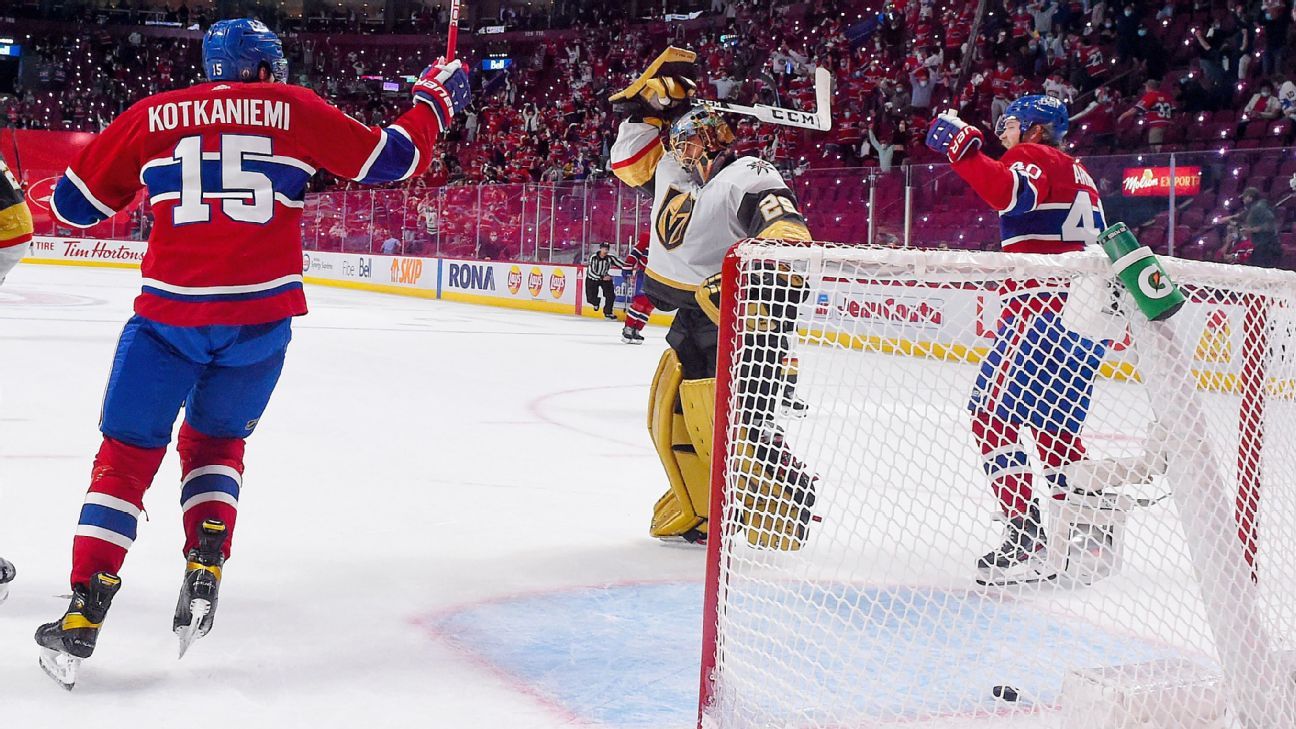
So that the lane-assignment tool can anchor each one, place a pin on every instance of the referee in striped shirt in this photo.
(598, 280)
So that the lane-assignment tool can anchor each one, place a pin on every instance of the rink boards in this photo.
(938, 321)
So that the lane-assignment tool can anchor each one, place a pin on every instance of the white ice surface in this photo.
(418, 457)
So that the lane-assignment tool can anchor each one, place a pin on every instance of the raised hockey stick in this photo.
(452, 37)
(820, 119)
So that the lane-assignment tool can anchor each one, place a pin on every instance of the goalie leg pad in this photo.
(776, 491)
(679, 417)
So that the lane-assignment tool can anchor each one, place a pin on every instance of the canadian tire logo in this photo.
(515, 280)
(557, 283)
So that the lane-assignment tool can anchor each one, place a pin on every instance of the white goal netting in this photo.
(1146, 470)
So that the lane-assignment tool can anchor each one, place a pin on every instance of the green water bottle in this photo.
(1139, 269)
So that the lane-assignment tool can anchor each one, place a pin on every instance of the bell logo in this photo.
(406, 270)
(535, 281)
(557, 283)
(515, 280)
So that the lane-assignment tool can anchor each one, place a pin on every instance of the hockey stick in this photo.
(820, 119)
(452, 37)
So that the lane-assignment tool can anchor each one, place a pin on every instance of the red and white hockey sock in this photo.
(213, 476)
(1006, 463)
(110, 514)
(1058, 449)
(637, 315)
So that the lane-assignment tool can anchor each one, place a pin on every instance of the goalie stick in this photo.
(820, 119)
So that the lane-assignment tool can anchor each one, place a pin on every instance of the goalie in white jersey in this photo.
(706, 199)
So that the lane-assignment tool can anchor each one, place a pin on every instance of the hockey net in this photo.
(843, 588)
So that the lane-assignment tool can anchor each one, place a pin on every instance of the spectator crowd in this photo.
(1152, 75)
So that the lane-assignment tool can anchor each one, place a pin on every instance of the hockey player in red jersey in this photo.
(225, 166)
(641, 307)
(1038, 375)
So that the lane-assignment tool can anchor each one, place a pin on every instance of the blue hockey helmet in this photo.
(233, 50)
(1037, 109)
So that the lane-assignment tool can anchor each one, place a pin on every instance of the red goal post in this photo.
(1194, 609)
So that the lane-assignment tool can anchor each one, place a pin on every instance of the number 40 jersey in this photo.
(1046, 200)
(225, 167)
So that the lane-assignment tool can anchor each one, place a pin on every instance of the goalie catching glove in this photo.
(953, 137)
(662, 91)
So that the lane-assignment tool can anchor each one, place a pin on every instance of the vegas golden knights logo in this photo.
(673, 218)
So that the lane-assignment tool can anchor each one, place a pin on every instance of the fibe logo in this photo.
(362, 269)
(406, 270)
(472, 276)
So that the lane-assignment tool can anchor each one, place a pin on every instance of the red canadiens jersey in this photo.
(225, 166)
(1046, 199)
(638, 258)
(1158, 107)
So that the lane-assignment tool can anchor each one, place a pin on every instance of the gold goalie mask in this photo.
(698, 139)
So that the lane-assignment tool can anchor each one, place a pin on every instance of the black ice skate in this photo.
(196, 609)
(7, 573)
(71, 639)
(1021, 557)
(630, 335)
(610, 317)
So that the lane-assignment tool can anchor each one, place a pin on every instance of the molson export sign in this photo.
(1155, 181)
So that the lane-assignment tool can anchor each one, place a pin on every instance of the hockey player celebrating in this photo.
(1038, 375)
(225, 165)
(705, 199)
(641, 307)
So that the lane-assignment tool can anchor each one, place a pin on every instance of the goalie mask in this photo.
(697, 140)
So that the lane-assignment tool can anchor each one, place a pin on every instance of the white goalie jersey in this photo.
(694, 225)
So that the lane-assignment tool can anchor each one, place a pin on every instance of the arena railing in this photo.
(916, 205)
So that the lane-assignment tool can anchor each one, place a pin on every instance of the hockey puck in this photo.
(1005, 693)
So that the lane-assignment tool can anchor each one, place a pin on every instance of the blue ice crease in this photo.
(628, 655)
